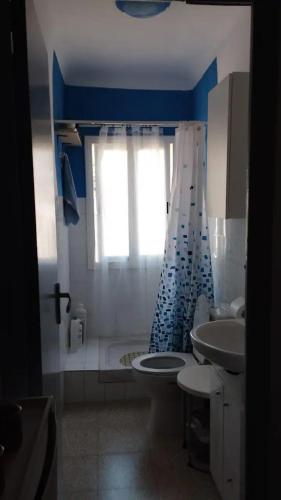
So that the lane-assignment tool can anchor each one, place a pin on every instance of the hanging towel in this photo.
(70, 206)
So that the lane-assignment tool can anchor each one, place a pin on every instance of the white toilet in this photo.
(157, 374)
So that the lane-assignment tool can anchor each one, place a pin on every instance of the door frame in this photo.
(21, 363)
(263, 275)
(263, 271)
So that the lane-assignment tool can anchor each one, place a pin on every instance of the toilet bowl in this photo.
(157, 375)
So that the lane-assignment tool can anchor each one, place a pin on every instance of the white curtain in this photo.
(130, 181)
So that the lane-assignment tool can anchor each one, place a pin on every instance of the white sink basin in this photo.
(222, 342)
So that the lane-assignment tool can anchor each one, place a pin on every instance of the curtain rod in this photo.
(227, 3)
(163, 124)
(209, 2)
(99, 123)
(130, 123)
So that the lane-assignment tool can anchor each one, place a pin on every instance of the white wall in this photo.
(228, 237)
(63, 274)
(234, 53)
(228, 254)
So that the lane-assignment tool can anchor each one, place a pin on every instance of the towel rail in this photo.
(67, 134)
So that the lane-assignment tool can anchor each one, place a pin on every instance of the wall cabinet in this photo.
(226, 438)
(228, 144)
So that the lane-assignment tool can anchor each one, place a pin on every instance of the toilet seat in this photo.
(163, 363)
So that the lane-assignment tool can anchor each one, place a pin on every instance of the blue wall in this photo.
(201, 90)
(93, 103)
(58, 90)
(76, 158)
(58, 111)
(88, 103)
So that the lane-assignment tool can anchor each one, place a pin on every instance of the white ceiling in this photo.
(98, 45)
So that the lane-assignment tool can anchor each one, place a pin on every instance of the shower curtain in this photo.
(126, 273)
(186, 271)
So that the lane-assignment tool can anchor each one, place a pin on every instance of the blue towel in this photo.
(70, 206)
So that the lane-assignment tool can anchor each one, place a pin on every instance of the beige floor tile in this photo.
(80, 438)
(174, 494)
(127, 439)
(114, 391)
(128, 494)
(171, 470)
(81, 495)
(82, 411)
(121, 414)
(126, 470)
(132, 464)
(169, 442)
(80, 473)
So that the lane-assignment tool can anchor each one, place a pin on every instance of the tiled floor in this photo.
(110, 455)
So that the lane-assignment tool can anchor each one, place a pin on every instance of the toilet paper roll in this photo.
(76, 334)
(237, 307)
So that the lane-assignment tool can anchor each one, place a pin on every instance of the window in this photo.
(128, 188)
(113, 191)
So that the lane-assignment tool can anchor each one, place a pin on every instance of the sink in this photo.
(222, 342)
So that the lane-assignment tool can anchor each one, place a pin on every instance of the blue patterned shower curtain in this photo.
(186, 271)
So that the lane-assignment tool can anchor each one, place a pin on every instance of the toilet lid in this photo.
(163, 362)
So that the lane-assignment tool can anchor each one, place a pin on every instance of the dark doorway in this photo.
(263, 386)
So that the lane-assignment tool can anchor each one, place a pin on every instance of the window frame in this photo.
(91, 212)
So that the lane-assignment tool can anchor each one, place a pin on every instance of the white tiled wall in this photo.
(85, 358)
(228, 252)
(85, 386)
(81, 284)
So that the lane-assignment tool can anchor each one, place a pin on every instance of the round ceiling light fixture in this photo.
(142, 8)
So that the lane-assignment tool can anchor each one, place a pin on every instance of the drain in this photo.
(127, 359)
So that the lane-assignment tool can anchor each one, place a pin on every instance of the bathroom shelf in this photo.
(67, 133)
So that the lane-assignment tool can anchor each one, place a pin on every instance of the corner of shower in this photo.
(100, 370)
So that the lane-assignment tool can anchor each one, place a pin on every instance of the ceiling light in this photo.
(142, 8)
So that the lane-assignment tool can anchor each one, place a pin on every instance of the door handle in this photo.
(58, 295)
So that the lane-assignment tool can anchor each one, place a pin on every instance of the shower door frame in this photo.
(263, 273)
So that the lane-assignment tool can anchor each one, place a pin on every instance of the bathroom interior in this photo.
(149, 105)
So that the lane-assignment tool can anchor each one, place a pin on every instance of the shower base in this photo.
(94, 372)
(104, 353)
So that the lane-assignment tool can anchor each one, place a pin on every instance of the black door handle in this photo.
(58, 295)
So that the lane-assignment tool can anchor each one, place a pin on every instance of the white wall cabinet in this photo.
(226, 437)
(228, 144)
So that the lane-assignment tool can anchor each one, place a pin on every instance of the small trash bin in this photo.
(199, 446)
